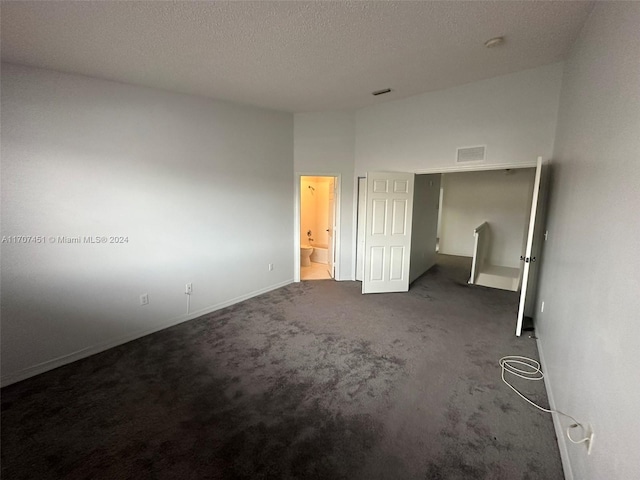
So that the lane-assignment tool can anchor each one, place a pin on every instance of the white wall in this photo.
(590, 283)
(504, 201)
(323, 145)
(424, 228)
(514, 115)
(202, 190)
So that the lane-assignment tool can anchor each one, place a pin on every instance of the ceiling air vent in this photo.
(471, 154)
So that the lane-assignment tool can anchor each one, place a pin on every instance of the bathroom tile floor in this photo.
(316, 271)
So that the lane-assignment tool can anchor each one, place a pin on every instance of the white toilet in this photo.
(305, 254)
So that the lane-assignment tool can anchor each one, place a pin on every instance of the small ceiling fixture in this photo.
(381, 92)
(494, 42)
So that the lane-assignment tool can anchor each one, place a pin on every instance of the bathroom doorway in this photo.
(317, 225)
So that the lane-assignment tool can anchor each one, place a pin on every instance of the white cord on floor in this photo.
(529, 369)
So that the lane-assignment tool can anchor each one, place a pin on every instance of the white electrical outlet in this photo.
(188, 288)
(144, 299)
(542, 307)
(591, 435)
(271, 267)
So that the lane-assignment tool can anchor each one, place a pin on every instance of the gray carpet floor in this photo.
(310, 381)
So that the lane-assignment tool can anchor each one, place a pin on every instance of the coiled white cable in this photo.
(529, 369)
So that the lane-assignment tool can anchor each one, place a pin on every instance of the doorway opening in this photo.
(484, 216)
(401, 237)
(318, 198)
(449, 208)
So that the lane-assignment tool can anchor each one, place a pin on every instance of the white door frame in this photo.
(331, 240)
(296, 221)
(361, 196)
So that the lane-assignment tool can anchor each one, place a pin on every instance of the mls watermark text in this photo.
(65, 239)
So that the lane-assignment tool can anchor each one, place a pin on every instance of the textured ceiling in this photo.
(292, 56)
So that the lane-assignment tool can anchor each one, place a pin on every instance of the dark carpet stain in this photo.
(453, 467)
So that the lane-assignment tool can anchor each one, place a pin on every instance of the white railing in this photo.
(480, 250)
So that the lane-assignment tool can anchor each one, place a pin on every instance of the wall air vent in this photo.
(471, 154)
(381, 92)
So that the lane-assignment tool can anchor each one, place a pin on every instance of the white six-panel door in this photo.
(388, 232)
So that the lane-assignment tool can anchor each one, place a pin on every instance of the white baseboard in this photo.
(455, 254)
(39, 368)
(560, 431)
